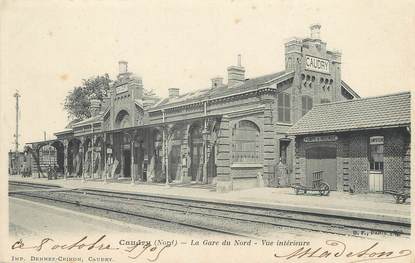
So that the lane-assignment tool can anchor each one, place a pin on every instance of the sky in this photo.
(48, 47)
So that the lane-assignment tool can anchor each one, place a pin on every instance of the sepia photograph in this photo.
(206, 131)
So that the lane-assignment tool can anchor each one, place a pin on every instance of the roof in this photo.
(350, 90)
(90, 120)
(72, 123)
(64, 131)
(211, 93)
(369, 113)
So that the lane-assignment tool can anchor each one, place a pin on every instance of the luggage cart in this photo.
(400, 196)
(318, 185)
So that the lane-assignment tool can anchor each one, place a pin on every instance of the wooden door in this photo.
(322, 159)
(375, 181)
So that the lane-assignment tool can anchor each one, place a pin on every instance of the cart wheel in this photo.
(324, 189)
(397, 199)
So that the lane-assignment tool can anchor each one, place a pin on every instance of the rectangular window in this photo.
(376, 153)
(307, 104)
(284, 107)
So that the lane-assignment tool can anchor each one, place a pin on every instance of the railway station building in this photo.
(361, 145)
(230, 135)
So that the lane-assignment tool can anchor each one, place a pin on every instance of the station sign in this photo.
(325, 138)
(121, 89)
(376, 140)
(317, 64)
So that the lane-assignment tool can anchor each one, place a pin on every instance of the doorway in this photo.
(375, 181)
(175, 162)
(127, 163)
(376, 159)
(196, 164)
(322, 159)
(211, 169)
(196, 152)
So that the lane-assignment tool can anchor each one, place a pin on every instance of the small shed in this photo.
(361, 145)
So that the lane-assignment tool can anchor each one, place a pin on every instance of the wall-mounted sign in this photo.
(109, 150)
(324, 138)
(376, 140)
(121, 89)
(126, 146)
(317, 64)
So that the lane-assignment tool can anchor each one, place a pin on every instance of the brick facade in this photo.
(352, 159)
(174, 140)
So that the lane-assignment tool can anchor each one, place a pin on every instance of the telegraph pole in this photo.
(16, 135)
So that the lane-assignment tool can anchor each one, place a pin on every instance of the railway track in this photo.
(219, 217)
(47, 192)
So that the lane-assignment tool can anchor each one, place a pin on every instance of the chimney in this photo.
(173, 93)
(217, 82)
(315, 31)
(236, 74)
(95, 107)
(122, 69)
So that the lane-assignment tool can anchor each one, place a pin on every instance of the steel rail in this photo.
(316, 222)
(78, 204)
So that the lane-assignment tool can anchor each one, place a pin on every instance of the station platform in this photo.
(370, 206)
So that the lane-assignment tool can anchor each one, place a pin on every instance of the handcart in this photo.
(318, 185)
(400, 196)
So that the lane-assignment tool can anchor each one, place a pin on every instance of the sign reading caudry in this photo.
(326, 138)
(317, 64)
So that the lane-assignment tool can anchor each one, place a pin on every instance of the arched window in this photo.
(245, 142)
(123, 119)
(307, 104)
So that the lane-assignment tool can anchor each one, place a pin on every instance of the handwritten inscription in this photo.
(152, 251)
(337, 249)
